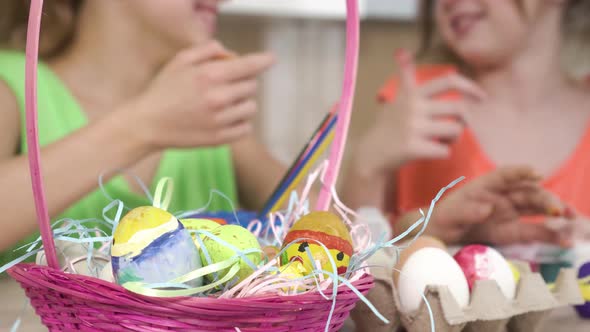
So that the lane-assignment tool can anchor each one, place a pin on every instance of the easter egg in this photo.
(199, 225)
(323, 227)
(419, 243)
(430, 266)
(241, 239)
(292, 271)
(72, 258)
(584, 309)
(480, 262)
(150, 245)
(515, 272)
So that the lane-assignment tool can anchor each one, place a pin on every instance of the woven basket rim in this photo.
(67, 302)
(23, 269)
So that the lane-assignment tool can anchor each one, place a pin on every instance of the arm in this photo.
(70, 167)
(412, 128)
(367, 181)
(257, 171)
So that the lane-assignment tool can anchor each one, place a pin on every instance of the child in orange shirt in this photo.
(511, 104)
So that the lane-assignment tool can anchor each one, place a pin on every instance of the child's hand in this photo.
(572, 227)
(418, 126)
(488, 210)
(205, 96)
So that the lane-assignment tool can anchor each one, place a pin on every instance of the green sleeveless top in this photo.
(195, 172)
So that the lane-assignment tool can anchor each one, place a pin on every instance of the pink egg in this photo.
(484, 263)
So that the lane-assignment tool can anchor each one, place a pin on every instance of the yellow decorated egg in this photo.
(292, 271)
(323, 227)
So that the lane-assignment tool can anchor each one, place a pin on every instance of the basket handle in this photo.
(345, 105)
(32, 53)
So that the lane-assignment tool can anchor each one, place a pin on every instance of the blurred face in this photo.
(178, 23)
(484, 32)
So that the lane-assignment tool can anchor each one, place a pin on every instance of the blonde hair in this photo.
(576, 32)
(58, 24)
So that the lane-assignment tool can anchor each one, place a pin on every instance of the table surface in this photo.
(12, 299)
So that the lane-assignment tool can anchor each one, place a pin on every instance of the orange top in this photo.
(418, 182)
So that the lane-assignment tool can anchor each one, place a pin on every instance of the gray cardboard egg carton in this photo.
(488, 311)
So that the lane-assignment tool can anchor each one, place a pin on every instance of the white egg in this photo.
(68, 252)
(430, 266)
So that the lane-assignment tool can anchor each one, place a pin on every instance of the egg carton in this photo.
(488, 311)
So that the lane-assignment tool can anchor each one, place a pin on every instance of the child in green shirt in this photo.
(138, 85)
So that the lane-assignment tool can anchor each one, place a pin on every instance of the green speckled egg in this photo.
(199, 225)
(239, 237)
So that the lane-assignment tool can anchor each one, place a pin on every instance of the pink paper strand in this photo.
(32, 53)
(346, 100)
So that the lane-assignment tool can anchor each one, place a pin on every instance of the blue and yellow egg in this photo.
(150, 245)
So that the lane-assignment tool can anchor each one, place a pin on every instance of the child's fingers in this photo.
(476, 213)
(471, 206)
(196, 55)
(452, 82)
(245, 67)
(445, 130)
(505, 178)
(557, 224)
(524, 232)
(446, 108)
(237, 113)
(405, 61)
(233, 133)
(228, 95)
(504, 210)
(432, 150)
(227, 55)
(518, 232)
(539, 201)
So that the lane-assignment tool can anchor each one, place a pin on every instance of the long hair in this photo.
(58, 24)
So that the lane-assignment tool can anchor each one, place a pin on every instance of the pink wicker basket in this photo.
(69, 302)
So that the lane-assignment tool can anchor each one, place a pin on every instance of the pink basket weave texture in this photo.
(69, 302)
